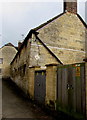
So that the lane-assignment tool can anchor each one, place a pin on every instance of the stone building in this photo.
(65, 35)
(32, 53)
(7, 53)
(61, 40)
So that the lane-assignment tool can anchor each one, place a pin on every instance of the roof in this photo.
(25, 42)
(10, 44)
(84, 23)
(49, 21)
(34, 31)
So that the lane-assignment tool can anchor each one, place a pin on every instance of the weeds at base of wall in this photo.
(66, 110)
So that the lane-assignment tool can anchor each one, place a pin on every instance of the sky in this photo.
(18, 17)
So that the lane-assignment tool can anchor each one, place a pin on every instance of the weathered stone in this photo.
(7, 53)
(69, 35)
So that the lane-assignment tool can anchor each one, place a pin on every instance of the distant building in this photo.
(7, 53)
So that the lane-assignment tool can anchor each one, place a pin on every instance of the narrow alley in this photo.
(14, 105)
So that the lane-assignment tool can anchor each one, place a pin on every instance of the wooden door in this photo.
(40, 86)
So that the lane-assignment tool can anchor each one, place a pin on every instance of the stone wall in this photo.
(31, 82)
(32, 54)
(51, 82)
(0, 64)
(7, 53)
(86, 85)
(66, 37)
(39, 55)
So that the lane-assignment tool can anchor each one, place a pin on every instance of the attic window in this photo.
(1, 60)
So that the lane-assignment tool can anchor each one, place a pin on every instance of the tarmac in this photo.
(15, 105)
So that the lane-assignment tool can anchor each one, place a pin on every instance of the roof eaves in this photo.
(24, 42)
(9, 44)
(51, 20)
(34, 31)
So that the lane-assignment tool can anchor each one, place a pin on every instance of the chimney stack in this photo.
(70, 6)
(19, 45)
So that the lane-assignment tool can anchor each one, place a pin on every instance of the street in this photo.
(14, 105)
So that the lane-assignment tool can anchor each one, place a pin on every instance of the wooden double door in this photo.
(71, 89)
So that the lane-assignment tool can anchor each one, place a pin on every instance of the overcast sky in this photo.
(19, 17)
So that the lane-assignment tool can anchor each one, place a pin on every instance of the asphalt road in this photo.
(15, 105)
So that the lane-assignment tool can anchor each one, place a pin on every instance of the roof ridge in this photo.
(34, 30)
(47, 22)
(9, 44)
(52, 19)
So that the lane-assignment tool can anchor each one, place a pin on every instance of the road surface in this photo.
(14, 105)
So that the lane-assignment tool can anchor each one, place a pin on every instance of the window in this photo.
(1, 60)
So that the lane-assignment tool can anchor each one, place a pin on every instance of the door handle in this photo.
(68, 86)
